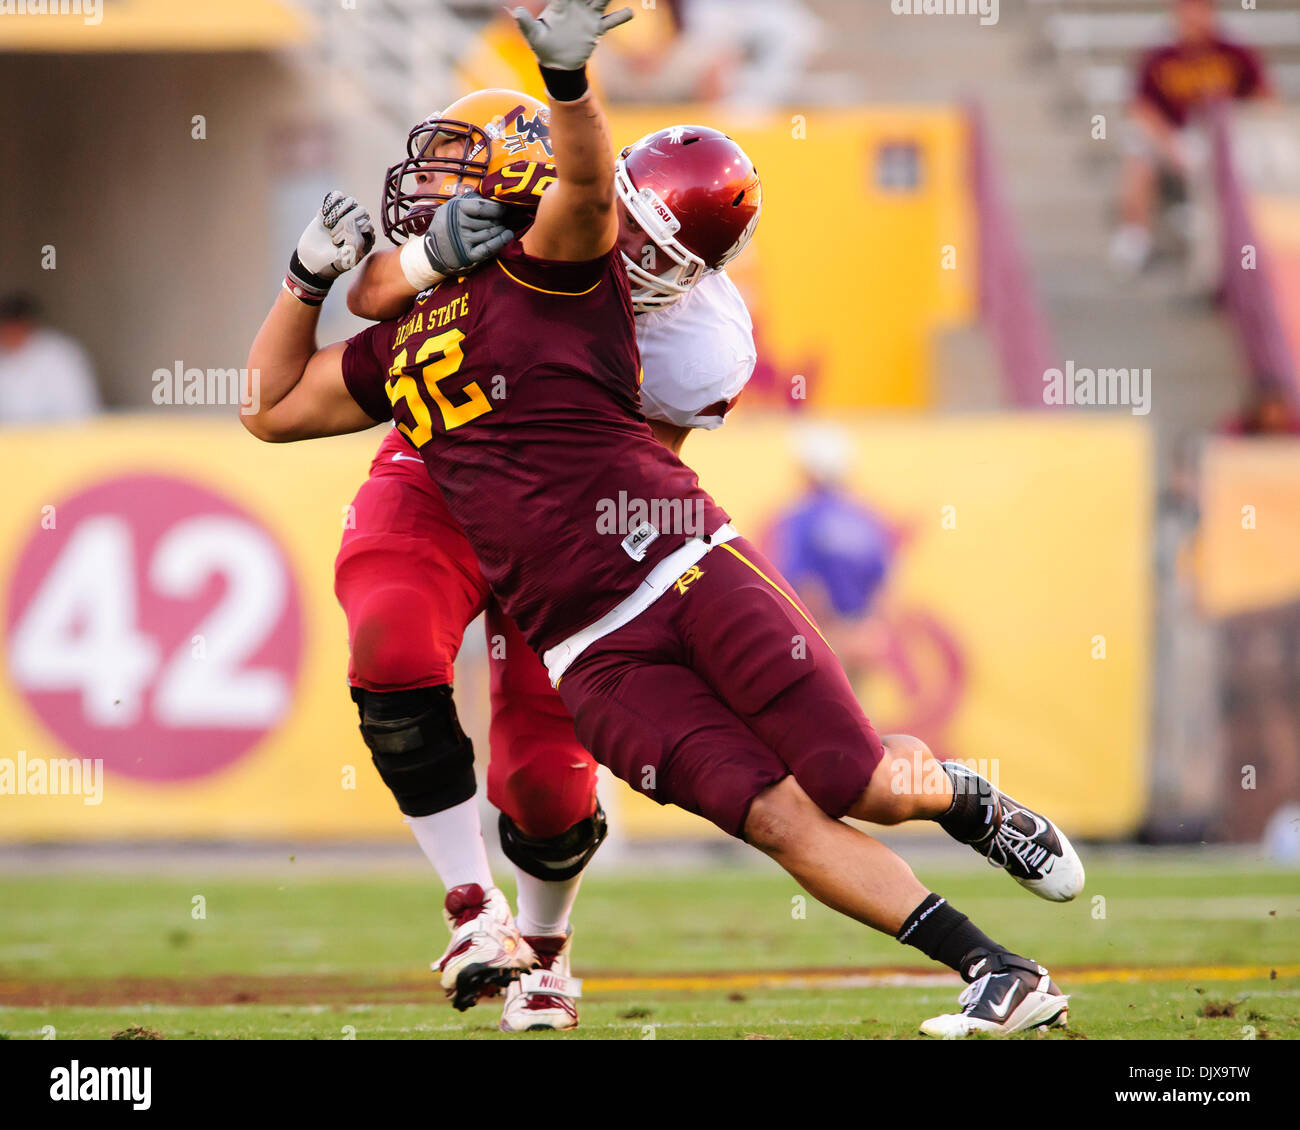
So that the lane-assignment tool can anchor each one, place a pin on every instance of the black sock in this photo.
(970, 817)
(945, 934)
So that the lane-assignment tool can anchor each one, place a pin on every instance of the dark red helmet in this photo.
(694, 199)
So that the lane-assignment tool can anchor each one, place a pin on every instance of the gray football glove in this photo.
(564, 35)
(339, 236)
(465, 231)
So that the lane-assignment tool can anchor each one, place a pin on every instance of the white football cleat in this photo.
(1029, 847)
(1013, 994)
(1035, 853)
(486, 951)
(546, 998)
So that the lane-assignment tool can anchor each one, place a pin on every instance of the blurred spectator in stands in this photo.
(1174, 84)
(834, 549)
(630, 66)
(500, 57)
(1268, 411)
(650, 60)
(44, 374)
(746, 52)
(750, 54)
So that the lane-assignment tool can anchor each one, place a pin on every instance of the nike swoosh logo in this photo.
(1000, 1010)
(398, 457)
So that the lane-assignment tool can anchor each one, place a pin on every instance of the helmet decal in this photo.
(657, 218)
(524, 131)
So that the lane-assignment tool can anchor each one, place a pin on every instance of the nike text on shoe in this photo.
(486, 951)
(546, 998)
(1029, 847)
(1010, 995)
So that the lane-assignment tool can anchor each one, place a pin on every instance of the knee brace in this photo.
(560, 857)
(416, 743)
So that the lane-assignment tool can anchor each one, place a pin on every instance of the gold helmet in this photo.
(504, 154)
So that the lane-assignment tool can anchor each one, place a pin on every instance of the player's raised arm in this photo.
(576, 219)
(300, 392)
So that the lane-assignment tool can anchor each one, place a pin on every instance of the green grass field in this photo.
(1166, 950)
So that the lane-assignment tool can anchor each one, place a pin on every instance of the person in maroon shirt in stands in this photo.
(1174, 84)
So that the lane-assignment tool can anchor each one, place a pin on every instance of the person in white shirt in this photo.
(44, 375)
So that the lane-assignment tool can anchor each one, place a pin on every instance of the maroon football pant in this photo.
(721, 688)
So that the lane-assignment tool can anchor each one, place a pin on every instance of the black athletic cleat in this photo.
(1029, 847)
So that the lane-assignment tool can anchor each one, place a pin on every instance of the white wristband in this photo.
(415, 265)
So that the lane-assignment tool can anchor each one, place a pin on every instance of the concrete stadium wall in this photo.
(167, 248)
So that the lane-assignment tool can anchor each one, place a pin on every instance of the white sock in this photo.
(544, 907)
(452, 840)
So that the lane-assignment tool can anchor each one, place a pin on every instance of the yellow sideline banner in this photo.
(166, 593)
(1249, 535)
(152, 25)
(174, 659)
(865, 248)
(1012, 628)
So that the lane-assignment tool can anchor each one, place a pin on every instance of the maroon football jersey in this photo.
(1179, 80)
(518, 385)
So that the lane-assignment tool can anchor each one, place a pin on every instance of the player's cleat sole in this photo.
(480, 982)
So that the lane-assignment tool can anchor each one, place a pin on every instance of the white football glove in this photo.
(564, 35)
(339, 236)
(465, 231)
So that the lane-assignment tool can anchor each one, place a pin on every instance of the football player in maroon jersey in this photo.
(697, 354)
(689, 666)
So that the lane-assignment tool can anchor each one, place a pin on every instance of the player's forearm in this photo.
(380, 289)
(278, 357)
(577, 219)
(585, 167)
(300, 391)
(584, 153)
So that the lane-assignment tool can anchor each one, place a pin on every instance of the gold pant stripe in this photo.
(793, 603)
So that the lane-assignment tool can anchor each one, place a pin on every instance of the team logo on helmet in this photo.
(523, 132)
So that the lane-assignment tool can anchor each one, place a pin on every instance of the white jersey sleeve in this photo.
(696, 355)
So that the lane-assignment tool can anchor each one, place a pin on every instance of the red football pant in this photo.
(409, 585)
(545, 773)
